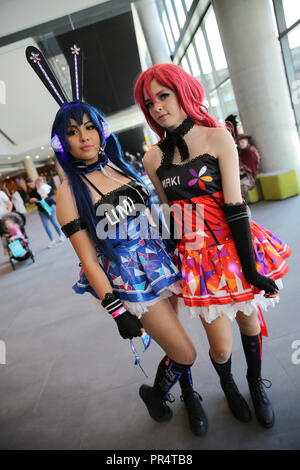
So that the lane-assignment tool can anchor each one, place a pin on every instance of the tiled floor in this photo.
(69, 381)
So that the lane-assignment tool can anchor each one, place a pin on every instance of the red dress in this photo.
(213, 280)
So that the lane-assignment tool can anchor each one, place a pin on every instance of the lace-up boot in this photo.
(156, 404)
(196, 414)
(262, 406)
(237, 404)
(168, 373)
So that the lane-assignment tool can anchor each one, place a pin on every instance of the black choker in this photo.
(84, 168)
(175, 139)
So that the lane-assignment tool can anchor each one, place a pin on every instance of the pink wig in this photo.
(189, 91)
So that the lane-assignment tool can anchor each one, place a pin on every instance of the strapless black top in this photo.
(197, 177)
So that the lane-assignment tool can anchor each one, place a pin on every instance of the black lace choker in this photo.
(84, 168)
(175, 139)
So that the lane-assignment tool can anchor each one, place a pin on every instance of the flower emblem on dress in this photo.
(75, 49)
(34, 56)
(198, 177)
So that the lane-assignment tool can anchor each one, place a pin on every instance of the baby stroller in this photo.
(18, 249)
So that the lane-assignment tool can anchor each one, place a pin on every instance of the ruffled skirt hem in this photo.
(212, 312)
(139, 308)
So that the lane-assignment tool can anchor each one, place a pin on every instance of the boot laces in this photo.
(169, 397)
(194, 393)
(259, 384)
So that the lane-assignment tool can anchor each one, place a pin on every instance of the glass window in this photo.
(193, 61)
(227, 98)
(291, 11)
(188, 4)
(202, 52)
(173, 20)
(168, 31)
(214, 106)
(185, 65)
(215, 45)
(180, 12)
(207, 76)
(294, 43)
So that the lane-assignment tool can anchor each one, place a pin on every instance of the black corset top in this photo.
(132, 191)
(196, 177)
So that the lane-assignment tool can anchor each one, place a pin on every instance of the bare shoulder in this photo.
(152, 159)
(66, 209)
(221, 141)
(219, 134)
(63, 192)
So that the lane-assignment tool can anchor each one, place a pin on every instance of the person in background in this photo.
(249, 160)
(41, 192)
(13, 231)
(5, 206)
(18, 204)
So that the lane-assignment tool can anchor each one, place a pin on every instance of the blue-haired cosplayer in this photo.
(139, 268)
(102, 207)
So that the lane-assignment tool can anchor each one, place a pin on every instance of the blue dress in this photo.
(145, 271)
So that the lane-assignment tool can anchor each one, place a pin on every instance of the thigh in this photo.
(219, 336)
(163, 325)
(174, 303)
(248, 324)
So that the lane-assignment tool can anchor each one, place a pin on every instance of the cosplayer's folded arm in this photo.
(236, 211)
(128, 325)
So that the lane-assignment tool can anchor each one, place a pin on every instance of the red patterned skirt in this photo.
(213, 281)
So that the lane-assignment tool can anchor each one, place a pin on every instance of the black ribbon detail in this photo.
(175, 139)
(84, 168)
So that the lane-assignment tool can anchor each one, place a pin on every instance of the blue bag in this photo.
(45, 206)
(16, 248)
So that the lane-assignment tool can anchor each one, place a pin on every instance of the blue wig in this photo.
(79, 188)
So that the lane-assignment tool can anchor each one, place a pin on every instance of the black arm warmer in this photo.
(238, 221)
(73, 227)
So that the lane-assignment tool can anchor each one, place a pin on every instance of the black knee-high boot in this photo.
(168, 374)
(253, 352)
(155, 397)
(237, 404)
(192, 400)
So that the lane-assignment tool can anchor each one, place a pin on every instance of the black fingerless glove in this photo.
(238, 221)
(129, 325)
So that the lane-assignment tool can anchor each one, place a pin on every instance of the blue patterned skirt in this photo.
(145, 275)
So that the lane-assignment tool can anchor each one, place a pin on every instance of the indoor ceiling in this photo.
(111, 52)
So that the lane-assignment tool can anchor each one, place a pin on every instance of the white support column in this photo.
(150, 22)
(256, 69)
(30, 169)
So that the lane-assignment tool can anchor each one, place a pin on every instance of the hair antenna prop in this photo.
(42, 69)
(76, 72)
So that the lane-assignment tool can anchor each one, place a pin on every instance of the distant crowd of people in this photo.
(249, 157)
(40, 193)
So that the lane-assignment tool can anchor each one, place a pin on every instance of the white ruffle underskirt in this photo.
(212, 312)
(138, 308)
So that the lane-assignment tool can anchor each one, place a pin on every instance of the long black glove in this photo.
(129, 325)
(238, 221)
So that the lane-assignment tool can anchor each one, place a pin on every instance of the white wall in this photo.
(16, 15)
(29, 110)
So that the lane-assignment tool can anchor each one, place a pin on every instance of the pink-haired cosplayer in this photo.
(229, 271)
